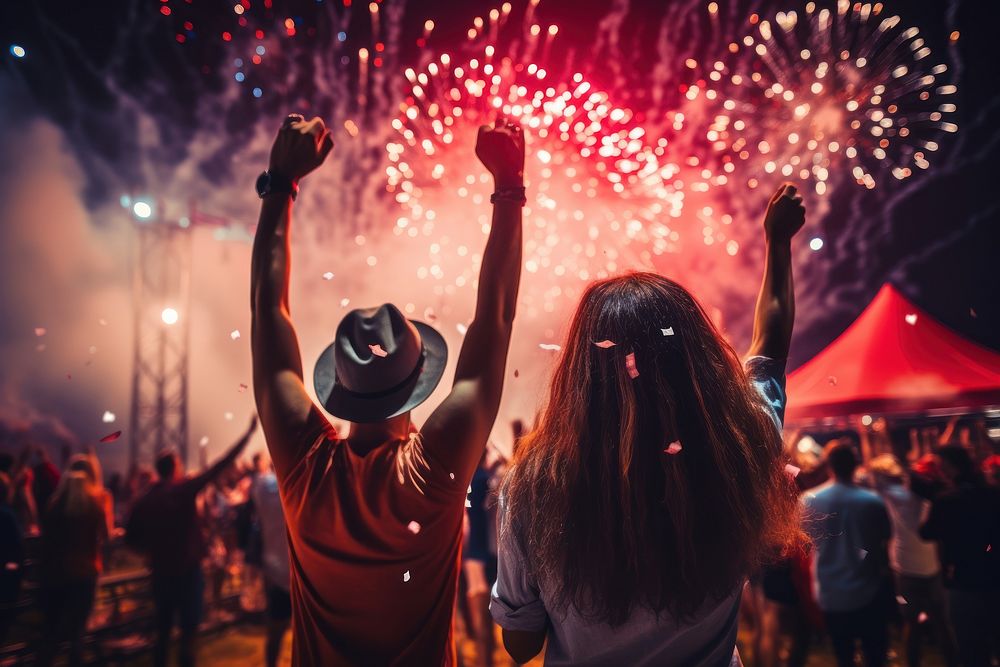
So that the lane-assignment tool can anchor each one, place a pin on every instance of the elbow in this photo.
(523, 646)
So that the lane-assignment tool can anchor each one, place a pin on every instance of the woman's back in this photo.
(73, 528)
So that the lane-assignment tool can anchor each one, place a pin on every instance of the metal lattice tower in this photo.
(161, 279)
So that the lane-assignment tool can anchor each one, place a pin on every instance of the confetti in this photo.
(111, 437)
(461, 329)
(468, 503)
(40, 331)
(604, 344)
(228, 416)
(550, 347)
(901, 600)
(792, 470)
(328, 275)
(108, 417)
(413, 527)
(243, 387)
(452, 475)
(103, 322)
(972, 312)
(989, 548)
(517, 373)
(862, 554)
(406, 576)
(235, 334)
(922, 617)
(378, 351)
(204, 441)
(669, 331)
(344, 302)
(911, 318)
(673, 448)
(633, 372)
(832, 380)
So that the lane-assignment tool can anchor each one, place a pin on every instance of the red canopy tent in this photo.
(894, 359)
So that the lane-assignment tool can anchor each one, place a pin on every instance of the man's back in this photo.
(164, 524)
(965, 522)
(375, 542)
(849, 528)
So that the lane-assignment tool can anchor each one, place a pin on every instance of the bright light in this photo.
(816, 243)
(17, 51)
(169, 316)
(866, 420)
(142, 210)
(806, 444)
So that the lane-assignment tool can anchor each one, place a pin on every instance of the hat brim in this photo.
(339, 402)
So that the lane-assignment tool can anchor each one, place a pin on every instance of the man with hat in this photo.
(375, 518)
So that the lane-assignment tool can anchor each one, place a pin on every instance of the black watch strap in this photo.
(272, 183)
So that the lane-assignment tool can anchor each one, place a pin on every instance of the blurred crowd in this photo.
(912, 505)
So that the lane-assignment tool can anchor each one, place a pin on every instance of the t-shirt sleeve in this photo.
(515, 603)
(768, 378)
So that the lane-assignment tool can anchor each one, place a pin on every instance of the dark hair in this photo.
(842, 459)
(166, 464)
(605, 514)
(965, 467)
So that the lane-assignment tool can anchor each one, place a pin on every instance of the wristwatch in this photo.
(270, 183)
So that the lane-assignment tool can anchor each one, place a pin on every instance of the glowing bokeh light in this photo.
(169, 316)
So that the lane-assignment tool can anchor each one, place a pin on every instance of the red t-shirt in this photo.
(375, 547)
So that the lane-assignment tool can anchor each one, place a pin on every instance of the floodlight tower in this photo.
(161, 299)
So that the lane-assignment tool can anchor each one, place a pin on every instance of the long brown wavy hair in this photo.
(607, 517)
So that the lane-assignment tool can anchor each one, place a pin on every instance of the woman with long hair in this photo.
(653, 483)
(73, 530)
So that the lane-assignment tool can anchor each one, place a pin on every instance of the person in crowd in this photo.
(165, 527)
(850, 530)
(375, 519)
(964, 520)
(45, 477)
(479, 557)
(653, 483)
(23, 502)
(11, 557)
(914, 562)
(274, 560)
(74, 528)
(90, 466)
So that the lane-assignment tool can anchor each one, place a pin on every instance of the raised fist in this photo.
(300, 147)
(785, 214)
(501, 150)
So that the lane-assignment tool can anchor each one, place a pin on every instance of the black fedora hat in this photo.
(380, 365)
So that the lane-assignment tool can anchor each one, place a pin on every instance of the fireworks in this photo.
(846, 89)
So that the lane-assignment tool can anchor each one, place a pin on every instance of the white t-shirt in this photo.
(274, 535)
(908, 554)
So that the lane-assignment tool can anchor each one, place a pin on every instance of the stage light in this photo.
(142, 210)
(169, 316)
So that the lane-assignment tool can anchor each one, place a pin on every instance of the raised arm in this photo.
(456, 433)
(774, 314)
(282, 402)
(201, 480)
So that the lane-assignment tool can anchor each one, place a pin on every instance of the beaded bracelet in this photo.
(509, 194)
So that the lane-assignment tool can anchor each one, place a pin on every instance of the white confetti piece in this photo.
(40, 331)
(468, 503)
(413, 527)
(12, 566)
(862, 554)
(911, 318)
(344, 302)
(633, 372)
(235, 334)
(901, 600)
(922, 617)
(243, 387)
(550, 347)
(406, 576)
(204, 441)
(669, 331)
(429, 314)
(792, 470)
(108, 417)
(605, 344)
(452, 475)
(328, 275)
(228, 416)
(462, 329)
(674, 447)
(378, 351)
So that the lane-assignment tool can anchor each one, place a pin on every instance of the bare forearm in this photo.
(271, 259)
(500, 274)
(774, 314)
